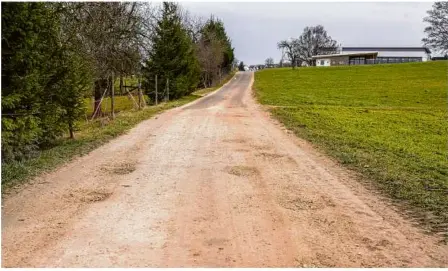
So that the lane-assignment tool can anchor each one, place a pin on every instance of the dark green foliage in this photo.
(72, 88)
(241, 66)
(172, 57)
(37, 76)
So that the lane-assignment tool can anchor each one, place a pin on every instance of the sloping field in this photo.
(388, 122)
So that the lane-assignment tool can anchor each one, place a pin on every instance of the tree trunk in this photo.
(100, 87)
(139, 94)
(121, 84)
(112, 97)
(70, 128)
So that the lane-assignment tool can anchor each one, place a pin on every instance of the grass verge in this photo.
(388, 122)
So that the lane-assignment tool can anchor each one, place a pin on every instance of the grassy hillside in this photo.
(388, 122)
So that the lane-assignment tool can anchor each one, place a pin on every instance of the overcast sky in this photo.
(255, 28)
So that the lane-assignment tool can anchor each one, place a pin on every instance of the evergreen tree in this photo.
(36, 69)
(241, 66)
(172, 56)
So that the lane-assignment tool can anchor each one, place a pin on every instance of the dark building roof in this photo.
(412, 49)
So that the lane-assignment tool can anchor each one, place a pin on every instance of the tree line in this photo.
(54, 55)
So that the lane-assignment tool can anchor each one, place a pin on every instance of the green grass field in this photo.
(388, 122)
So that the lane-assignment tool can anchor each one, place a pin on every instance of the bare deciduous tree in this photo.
(437, 31)
(269, 61)
(291, 50)
(313, 41)
(193, 24)
(109, 35)
(209, 53)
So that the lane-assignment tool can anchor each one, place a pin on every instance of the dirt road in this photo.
(216, 183)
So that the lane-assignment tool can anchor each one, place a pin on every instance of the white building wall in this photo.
(323, 62)
(422, 54)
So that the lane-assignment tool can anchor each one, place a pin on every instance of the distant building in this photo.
(373, 55)
(440, 58)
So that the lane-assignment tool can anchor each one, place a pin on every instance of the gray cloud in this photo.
(255, 28)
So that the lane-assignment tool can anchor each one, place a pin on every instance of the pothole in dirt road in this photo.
(261, 147)
(237, 140)
(242, 150)
(270, 155)
(237, 116)
(302, 203)
(276, 156)
(120, 169)
(88, 196)
(242, 171)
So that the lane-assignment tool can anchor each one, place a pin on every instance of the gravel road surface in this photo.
(215, 183)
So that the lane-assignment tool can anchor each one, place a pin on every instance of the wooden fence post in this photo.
(168, 89)
(141, 91)
(139, 94)
(112, 97)
(156, 91)
(121, 83)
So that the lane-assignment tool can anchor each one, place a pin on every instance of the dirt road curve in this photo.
(214, 183)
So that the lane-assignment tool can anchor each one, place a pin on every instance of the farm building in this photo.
(373, 55)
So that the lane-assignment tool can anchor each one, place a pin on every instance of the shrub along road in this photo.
(213, 183)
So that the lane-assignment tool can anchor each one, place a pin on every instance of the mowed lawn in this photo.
(388, 122)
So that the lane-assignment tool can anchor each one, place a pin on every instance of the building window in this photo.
(361, 60)
(381, 60)
(322, 62)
